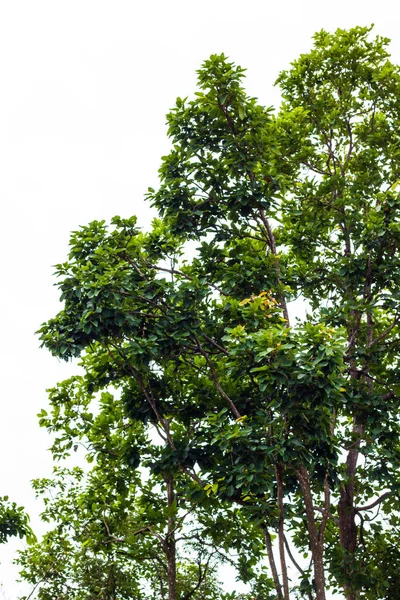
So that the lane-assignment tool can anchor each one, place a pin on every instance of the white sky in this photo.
(85, 86)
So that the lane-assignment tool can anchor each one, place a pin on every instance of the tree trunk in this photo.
(281, 532)
(316, 537)
(347, 513)
(171, 545)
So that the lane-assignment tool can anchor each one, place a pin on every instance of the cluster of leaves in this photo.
(13, 521)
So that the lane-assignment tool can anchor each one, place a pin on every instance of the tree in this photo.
(295, 423)
(120, 530)
(100, 548)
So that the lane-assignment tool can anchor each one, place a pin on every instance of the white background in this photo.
(85, 86)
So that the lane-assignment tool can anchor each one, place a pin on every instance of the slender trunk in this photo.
(348, 531)
(316, 536)
(171, 545)
(111, 584)
(347, 513)
(281, 531)
(272, 564)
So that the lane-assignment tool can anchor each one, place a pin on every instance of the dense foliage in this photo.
(267, 427)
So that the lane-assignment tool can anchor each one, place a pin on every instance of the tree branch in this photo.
(215, 379)
(300, 570)
(373, 504)
(384, 333)
(272, 246)
(272, 564)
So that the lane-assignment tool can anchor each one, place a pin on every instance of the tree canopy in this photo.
(286, 428)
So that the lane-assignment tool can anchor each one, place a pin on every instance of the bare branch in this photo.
(373, 504)
(300, 570)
